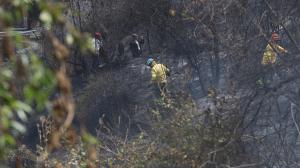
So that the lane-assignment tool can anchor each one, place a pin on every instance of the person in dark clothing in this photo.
(136, 45)
(33, 15)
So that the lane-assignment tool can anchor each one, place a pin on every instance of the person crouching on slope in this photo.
(159, 73)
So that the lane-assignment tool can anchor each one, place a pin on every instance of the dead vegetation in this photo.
(233, 124)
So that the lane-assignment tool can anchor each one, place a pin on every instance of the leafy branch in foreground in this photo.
(26, 83)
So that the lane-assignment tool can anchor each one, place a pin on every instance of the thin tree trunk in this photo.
(148, 41)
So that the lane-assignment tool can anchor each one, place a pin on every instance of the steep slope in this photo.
(125, 95)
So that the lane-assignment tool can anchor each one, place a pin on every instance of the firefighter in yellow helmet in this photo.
(270, 54)
(159, 73)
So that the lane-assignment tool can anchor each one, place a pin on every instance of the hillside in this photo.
(233, 90)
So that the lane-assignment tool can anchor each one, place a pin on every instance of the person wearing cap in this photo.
(99, 59)
(136, 45)
(269, 60)
(159, 73)
(272, 49)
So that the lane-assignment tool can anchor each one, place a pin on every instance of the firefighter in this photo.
(159, 74)
(270, 53)
(270, 59)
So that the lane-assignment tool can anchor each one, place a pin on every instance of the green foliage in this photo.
(25, 83)
(89, 139)
(40, 84)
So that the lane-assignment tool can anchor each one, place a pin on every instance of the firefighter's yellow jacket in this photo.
(159, 73)
(270, 55)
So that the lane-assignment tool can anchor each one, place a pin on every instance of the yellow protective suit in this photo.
(159, 73)
(270, 55)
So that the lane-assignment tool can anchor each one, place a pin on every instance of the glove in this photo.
(168, 73)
